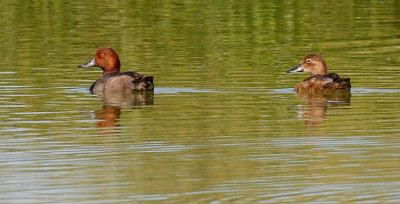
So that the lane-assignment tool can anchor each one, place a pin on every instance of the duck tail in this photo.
(345, 83)
(148, 79)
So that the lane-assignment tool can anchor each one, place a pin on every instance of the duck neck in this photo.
(322, 70)
(115, 70)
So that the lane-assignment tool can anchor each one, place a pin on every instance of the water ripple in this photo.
(368, 91)
(170, 90)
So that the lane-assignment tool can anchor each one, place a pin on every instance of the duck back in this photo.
(327, 82)
(126, 81)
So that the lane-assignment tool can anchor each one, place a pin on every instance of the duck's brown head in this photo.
(312, 63)
(106, 58)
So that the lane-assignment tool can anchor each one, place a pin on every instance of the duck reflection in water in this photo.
(316, 105)
(114, 102)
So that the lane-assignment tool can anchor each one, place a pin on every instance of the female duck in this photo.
(320, 80)
(113, 80)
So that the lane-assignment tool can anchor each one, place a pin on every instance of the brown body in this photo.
(113, 80)
(327, 82)
(320, 81)
(122, 81)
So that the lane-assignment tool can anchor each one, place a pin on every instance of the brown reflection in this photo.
(316, 104)
(113, 102)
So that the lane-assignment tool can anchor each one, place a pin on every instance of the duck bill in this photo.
(298, 68)
(91, 63)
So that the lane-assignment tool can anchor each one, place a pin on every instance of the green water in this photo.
(223, 125)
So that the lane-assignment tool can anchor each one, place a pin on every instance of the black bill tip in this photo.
(298, 68)
(91, 63)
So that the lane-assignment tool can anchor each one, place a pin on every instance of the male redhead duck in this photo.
(320, 80)
(113, 80)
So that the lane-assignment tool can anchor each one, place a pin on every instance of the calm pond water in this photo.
(223, 124)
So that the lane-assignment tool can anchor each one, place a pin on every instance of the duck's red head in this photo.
(312, 63)
(106, 58)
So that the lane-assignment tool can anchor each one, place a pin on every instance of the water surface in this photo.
(223, 124)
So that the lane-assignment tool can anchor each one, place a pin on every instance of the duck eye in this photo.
(308, 60)
(102, 55)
